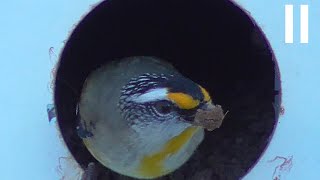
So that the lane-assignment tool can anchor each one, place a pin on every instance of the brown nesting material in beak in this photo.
(210, 118)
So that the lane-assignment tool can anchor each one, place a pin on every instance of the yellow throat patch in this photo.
(152, 166)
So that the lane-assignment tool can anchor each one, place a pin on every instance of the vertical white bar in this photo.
(288, 23)
(304, 23)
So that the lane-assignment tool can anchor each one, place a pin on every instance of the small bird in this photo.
(139, 113)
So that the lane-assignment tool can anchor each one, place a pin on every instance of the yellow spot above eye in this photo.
(205, 94)
(183, 101)
(152, 166)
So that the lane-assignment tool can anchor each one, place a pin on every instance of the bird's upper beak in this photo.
(209, 116)
(206, 106)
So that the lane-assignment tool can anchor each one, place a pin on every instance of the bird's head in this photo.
(161, 109)
(151, 99)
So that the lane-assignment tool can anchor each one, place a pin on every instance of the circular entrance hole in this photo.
(214, 43)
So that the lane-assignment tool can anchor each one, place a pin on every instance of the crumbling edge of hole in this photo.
(277, 98)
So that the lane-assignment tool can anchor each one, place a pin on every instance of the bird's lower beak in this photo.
(209, 116)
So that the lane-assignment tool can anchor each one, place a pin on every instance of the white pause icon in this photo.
(304, 26)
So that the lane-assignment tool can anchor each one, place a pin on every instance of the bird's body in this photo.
(122, 140)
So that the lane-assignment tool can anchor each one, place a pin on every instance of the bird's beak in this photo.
(209, 116)
(207, 106)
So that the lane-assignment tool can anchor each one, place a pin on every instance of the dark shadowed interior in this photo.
(212, 42)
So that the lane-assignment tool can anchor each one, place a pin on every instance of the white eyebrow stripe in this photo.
(151, 95)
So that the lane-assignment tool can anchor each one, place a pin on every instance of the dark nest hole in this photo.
(214, 43)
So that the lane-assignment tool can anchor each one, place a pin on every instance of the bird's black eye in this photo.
(163, 107)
